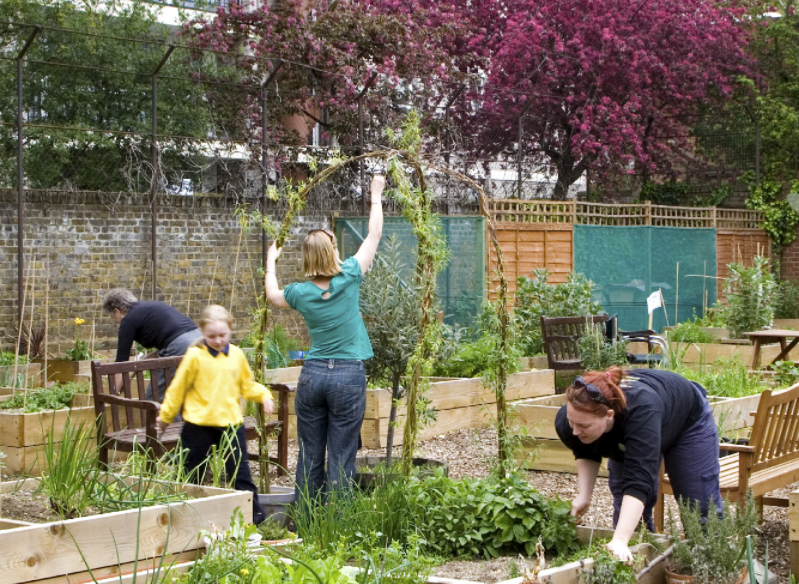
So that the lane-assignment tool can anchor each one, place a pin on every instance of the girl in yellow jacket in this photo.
(208, 384)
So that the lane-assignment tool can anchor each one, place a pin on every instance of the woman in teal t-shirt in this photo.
(331, 392)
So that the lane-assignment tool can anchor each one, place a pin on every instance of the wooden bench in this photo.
(562, 336)
(770, 460)
(131, 423)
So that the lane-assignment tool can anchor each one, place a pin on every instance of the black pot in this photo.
(367, 475)
(275, 504)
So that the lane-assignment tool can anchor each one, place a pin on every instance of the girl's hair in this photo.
(214, 313)
(320, 254)
(120, 298)
(608, 383)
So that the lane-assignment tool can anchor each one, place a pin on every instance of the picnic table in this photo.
(760, 338)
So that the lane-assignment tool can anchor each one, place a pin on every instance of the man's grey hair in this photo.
(120, 298)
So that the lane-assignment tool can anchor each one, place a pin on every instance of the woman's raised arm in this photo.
(366, 253)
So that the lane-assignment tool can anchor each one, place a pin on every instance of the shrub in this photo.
(750, 294)
(597, 352)
(536, 298)
(787, 302)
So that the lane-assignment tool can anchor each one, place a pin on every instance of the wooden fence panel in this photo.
(738, 246)
(527, 246)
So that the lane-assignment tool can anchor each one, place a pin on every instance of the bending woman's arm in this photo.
(366, 253)
(273, 292)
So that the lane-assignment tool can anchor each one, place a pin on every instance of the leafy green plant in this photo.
(271, 530)
(780, 219)
(712, 550)
(79, 350)
(726, 377)
(56, 397)
(785, 373)
(473, 517)
(7, 359)
(667, 193)
(750, 295)
(787, 302)
(536, 298)
(716, 197)
(689, 332)
(597, 352)
(608, 569)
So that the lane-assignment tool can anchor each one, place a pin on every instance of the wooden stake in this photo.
(704, 290)
(21, 322)
(46, 321)
(188, 302)
(213, 279)
(665, 312)
(677, 297)
(30, 330)
(143, 281)
(235, 269)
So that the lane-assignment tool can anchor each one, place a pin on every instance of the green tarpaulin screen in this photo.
(627, 264)
(460, 286)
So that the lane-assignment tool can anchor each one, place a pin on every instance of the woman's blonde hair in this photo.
(320, 254)
(213, 313)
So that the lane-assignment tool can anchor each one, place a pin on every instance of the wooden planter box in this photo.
(65, 371)
(543, 450)
(528, 363)
(33, 371)
(786, 323)
(23, 436)
(714, 331)
(699, 354)
(51, 550)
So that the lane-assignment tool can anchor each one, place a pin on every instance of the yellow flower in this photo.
(245, 571)
(79, 320)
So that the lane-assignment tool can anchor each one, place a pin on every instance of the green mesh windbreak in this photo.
(627, 264)
(460, 286)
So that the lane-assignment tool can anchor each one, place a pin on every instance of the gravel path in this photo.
(469, 453)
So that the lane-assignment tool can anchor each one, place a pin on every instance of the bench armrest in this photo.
(139, 404)
(736, 447)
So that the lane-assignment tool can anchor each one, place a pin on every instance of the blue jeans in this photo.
(692, 464)
(330, 403)
(178, 346)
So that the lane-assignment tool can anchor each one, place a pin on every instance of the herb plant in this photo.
(689, 332)
(726, 377)
(597, 352)
(7, 359)
(536, 298)
(56, 397)
(712, 550)
(750, 294)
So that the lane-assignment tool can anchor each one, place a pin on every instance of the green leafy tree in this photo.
(390, 309)
(80, 85)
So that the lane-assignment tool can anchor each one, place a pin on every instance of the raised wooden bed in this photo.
(23, 436)
(51, 550)
(793, 531)
(786, 323)
(33, 371)
(699, 354)
(64, 371)
(549, 453)
(460, 404)
(714, 331)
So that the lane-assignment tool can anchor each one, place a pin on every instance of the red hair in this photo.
(608, 383)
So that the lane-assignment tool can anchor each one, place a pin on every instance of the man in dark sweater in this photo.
(151, 324)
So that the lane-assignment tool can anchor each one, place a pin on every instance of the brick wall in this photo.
(789, 261)
(79, 245)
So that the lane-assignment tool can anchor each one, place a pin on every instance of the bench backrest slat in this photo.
(775, 432)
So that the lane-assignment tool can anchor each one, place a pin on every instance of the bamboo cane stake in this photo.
(46, 321)
(677, 297)
(213, 279)
(143, 282)
(30, 330)
(236, 268)
(188, 302)
(19, 333)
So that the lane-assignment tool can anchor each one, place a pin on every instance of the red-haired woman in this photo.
(635, 420)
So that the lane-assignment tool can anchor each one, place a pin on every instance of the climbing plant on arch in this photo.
(416, 198)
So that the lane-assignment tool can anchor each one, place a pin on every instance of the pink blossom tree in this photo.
(608, 84)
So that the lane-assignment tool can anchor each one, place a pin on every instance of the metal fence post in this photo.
(21, 179)
(155, 163)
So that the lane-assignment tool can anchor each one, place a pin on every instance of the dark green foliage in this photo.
(780, 218)
(277, 344)
(536, 298)
(750, 295)
(668, 193)
(787, 304)
(608, 569)
(489, 517)
(471, 359)
(7, 359)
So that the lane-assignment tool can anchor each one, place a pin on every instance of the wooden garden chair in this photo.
(770, 460)
(125, 420)
(562, 335)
